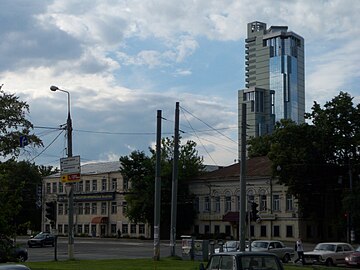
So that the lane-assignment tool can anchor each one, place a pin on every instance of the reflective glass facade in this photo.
(274, 78)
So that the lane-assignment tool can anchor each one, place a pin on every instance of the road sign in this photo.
(23, 141)
(70, 169)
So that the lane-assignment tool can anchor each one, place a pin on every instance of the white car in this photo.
(229, 246)
(332, 253)
(273, 246)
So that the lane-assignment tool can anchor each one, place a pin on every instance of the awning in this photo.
(100, 220)
(231, 217)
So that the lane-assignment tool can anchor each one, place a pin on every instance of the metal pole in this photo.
(157, 190)
(242, 214)
(174, 183)
(71, 192)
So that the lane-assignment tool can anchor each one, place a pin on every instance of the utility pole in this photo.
(157, 190)
(242, 214)
(174, 183)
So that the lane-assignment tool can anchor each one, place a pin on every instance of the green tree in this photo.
(13, 125)
(139, 169)
(18, 188)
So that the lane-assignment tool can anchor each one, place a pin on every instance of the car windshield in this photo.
(230, 244)
(358, 248)
(258, 244)
(325, 247)
(39, 236)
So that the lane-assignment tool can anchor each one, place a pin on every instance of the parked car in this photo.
(42, 239)
(243, 260)
(229, 246)
(328, 253)
(9, 252)
(276, 247)
(353, 259)
(14, 267)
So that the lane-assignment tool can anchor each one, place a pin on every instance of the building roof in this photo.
(258, 166)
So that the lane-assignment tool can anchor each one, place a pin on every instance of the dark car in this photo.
(353, 259)
(42, 239)
(243, 260)
(9, 252)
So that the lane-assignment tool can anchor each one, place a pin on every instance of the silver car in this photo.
(273, 246)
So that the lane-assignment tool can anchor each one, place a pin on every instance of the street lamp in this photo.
(69, 187)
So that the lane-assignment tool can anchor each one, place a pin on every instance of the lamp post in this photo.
(69, 187)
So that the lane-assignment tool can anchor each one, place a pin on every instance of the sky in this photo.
(123, 60)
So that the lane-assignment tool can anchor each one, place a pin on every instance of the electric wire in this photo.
(47, 146)
(200, 141)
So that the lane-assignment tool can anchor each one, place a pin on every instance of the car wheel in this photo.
(286, 258)
(30, 246)
(329, 262)
(41, 244)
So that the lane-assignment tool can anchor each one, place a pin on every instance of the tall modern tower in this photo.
(274, 76)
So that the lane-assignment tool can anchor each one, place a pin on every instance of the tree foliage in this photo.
(139, 169)
(13, 125)
(19, 182)
(316, 160)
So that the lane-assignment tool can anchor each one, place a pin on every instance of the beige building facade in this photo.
(217, 201)
(99, 203)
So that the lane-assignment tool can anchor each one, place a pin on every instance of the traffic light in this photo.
(254, 211)
(51, 211)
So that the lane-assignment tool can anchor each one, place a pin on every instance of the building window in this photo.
(217, 204)
(263, 231)
(113, 184)
(94, 185)
(276, 231)
(196, 229)
(66, 228)
(48, 188)
(87, 208)
(54, 187)
(197, 204)
(124, 205)
(60, 228)
(113, 228)
(61, 187)
(79, 229)
(227, 202)
(289, 202)
(87, 229)
(93, 230)
(66, 209)
(133, 228)
(227, 229)
(113, 208)
(103, 184)
(276, 202)
(87, 185)
(141, 228)
(207, 229)
(289, 231)
(125, 184)
(124, 228)
(80, 209)
(207, 204)
(80, 186)
(103, 208)
(60, 209)
(216, 229)
(263, 203)
(252, 230)
(94, 208)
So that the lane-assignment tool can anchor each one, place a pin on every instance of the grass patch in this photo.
(123, 264)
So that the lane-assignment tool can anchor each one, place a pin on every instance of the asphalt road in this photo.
(99, 248)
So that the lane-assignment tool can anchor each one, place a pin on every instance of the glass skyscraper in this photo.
(274, 78)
